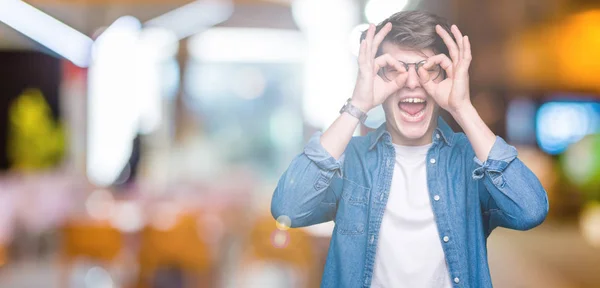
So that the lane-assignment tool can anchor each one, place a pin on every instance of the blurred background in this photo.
(141, 140)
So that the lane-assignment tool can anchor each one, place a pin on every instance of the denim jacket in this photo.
(469, 199)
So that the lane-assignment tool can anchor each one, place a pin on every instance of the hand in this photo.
(452, 93)
(371, 90)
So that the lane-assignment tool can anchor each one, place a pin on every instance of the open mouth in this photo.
(412, 108)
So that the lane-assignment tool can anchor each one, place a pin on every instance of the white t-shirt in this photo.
(409, 252)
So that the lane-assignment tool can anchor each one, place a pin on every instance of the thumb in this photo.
(400, 80)
(426, 81)
(395, 85)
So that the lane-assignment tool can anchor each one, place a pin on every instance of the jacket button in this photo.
(456, 280)
(432, 161)
(446, 239)
(436, 197)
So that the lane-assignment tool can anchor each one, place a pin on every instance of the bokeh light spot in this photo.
(284, 222)
(590, 224)
(280, 239)
(97, 277)
(100, 204)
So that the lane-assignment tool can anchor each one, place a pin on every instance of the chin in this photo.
(410, 119)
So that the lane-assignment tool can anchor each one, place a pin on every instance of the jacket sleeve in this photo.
(305, 192)
(511, 195)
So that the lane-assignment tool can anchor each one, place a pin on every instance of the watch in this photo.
(354, 111)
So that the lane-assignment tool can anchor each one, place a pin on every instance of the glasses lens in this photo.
(390, 73)
(434, 72)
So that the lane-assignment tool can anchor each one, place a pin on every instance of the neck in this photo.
(399, 139)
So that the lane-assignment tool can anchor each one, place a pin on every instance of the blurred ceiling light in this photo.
(247, 45)
(194, 17)
(155, 47)
(329, 69)
(560, 124)
(378, 10)
(158, 43)
(46, 30)
(319, 15)
(112, 106)
(125, 93)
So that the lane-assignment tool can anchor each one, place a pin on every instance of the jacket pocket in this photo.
(351, 218)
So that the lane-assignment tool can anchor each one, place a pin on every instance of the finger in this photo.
(387, 60)
(379, 37)
(369, 39)
(450, 43)
(443, 61)
(398, 82)
(393, 86)
(467, 49)
(388, 88)
(463, 67)
(459, 38)
(425, 81)
(362, 55)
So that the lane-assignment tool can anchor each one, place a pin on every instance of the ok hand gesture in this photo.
(452, 93)
(371, 90)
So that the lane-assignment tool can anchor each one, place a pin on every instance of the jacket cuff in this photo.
(317, 153)
(500, 156)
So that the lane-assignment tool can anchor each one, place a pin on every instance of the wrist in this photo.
(463, 113)
(360, 105)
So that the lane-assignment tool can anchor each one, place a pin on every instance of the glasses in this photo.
(390, 73)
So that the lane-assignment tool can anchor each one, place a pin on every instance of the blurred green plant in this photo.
(35, 141)
(581, 165)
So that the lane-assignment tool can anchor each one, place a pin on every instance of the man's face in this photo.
(410, 112)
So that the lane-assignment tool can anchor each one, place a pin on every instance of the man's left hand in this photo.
(452, 93)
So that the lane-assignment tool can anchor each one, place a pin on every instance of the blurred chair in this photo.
(97, 241)
(293, 248)
(178, 250)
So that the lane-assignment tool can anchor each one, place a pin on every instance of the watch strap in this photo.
(354, 111)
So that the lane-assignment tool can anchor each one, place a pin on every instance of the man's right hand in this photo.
(371, 90)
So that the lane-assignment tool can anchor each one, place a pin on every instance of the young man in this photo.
(413, 202)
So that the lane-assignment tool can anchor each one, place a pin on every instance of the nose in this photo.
(412, 82)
